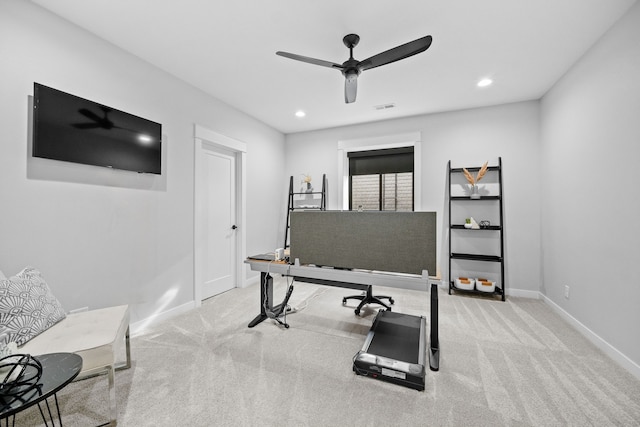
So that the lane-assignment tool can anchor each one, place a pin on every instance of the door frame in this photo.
(207, 140)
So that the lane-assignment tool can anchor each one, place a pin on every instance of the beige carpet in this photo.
(502, 363)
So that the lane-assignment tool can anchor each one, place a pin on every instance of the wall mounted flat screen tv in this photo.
(72, 129)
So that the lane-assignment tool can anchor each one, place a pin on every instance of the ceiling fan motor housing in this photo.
(351, 67)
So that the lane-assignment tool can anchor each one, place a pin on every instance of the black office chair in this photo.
(368, 298)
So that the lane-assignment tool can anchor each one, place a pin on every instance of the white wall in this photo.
(590, 154)
(469, 137)
(105, 237)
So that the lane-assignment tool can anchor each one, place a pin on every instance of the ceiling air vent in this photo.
(384, 106)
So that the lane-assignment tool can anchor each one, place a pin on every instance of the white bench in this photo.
(97, 336)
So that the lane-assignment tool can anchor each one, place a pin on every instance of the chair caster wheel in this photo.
(344, 301)
(286, 326)
(391, 300)
(357, 311)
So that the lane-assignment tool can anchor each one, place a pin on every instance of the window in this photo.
(381, 179)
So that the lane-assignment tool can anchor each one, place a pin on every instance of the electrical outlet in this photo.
(566, 291)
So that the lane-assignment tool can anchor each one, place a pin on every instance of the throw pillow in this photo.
(27, 306)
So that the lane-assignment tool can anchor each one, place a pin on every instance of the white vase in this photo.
(474, 192)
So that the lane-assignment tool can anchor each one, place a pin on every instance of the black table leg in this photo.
(434, 346)
(6, 421)
(51, 416)
(266, 296)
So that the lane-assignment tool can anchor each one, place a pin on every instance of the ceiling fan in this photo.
(95, 120)
(352, 68)
(98, 122)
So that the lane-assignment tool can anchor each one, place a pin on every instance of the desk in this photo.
(352, 279)
(58, 370)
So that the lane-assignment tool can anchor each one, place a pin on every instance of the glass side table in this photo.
(58, 370)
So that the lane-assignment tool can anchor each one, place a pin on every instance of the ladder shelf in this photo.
(468, 260)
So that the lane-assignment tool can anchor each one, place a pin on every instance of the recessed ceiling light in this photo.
(485, 82)
(300, 113)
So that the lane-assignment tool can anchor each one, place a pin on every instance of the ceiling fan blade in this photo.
(86, 125)
(350, 88)
(310, 60)
(90, 114)
(397, 53)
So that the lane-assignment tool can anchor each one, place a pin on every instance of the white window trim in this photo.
(412, 139)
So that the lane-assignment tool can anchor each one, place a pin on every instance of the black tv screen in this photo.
(72, 129)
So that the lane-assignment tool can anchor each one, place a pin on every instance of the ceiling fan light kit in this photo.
(352, 68)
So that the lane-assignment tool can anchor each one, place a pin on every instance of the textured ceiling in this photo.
(227, 49)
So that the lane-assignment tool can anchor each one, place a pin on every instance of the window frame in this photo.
(382, 163)
(410, 139)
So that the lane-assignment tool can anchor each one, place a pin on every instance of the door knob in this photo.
(233, 227)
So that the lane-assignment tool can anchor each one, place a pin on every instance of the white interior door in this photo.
(219, 263)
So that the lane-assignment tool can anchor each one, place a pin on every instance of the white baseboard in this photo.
(607, 348)
(141, 325)
(523, 293)
(251, 281)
